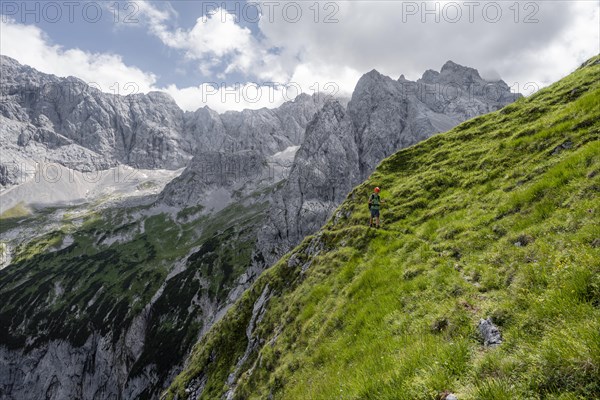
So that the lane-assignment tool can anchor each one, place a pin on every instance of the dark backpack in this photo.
(373, 198)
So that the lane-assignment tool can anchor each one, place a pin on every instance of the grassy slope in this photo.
(18, 211)
(485, 220)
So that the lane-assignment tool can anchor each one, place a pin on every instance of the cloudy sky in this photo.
(237, 54)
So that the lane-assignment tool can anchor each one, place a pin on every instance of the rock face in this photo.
(211, 178)
(241, 151)
(343, 146)
(144, 131)
(324, 164)
(63, 120)
(265, 131)
(63, 371)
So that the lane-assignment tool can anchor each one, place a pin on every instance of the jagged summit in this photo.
(161, 96)
(370, 84)
(6, 61)
(452, 73)
(430, 76)
(371, 76)
(450, 67)
(374, 72)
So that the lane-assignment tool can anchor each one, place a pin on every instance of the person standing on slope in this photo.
(374, 204)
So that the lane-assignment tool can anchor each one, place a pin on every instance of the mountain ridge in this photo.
(65, 121)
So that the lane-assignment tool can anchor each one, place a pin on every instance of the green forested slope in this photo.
(99, 270)
(497, 218)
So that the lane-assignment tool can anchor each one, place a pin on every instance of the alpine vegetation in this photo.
(482, 283)
(199, 202)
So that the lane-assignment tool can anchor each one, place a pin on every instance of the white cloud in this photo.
(29, 45)
(222, 98)
(306, 78)
(214, 40)
(384, 35)
(395, 39)
(327, 79)
(577, 42)
(535, 42)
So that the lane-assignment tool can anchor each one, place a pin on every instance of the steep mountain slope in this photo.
(344, 145)
(498, 219)
(106, 303)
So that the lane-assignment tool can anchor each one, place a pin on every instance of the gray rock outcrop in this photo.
(211, 179)
(489, 332)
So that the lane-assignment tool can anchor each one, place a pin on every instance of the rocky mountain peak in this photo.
(161, 97)
(452, 73)
(452, 68)
(371, 86)
(430, 76)
(332, 108)
(8, 63)
(303, 97)
(370, 77)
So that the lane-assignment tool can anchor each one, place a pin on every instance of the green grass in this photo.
(491, 219)
(18, 211)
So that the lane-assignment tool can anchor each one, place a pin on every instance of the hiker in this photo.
(374, 203)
